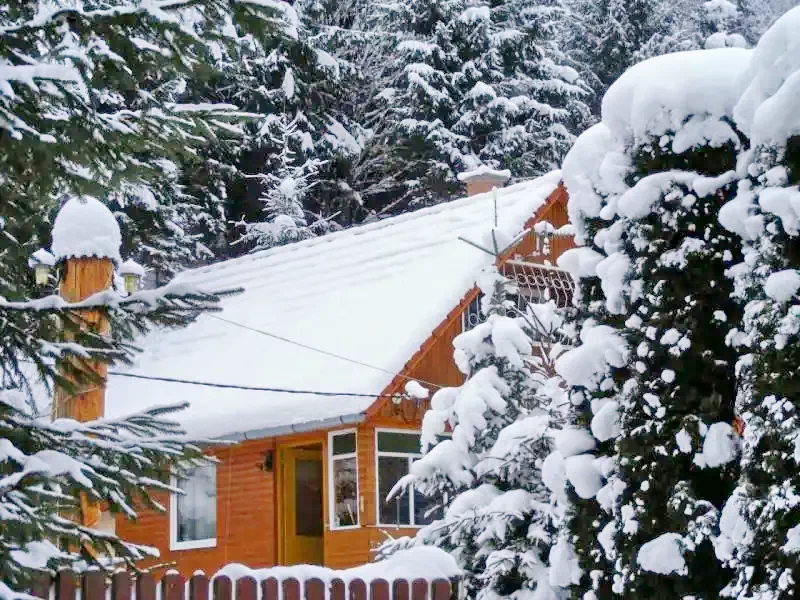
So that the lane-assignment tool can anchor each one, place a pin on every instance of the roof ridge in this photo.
(359, 229)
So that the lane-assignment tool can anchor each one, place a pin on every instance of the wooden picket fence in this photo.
(96, 585)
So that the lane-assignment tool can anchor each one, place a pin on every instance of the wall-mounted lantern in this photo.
(132, 274)
(42, 262)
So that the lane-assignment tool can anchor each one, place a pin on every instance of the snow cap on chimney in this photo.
(483, 179)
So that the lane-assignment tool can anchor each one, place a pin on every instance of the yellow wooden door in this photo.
(302, 506)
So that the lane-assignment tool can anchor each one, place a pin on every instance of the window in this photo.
(193, 514)
(396, 452)
(344, 479)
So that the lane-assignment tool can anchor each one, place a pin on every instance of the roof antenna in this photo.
(498, 247)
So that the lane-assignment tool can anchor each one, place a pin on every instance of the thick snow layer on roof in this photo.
(484, 172)
(767, 111)
(372, 293)
(659, 95)
(85, 227)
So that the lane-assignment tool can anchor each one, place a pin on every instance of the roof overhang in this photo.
(267, 432)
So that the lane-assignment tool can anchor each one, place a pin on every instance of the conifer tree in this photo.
(496, 516)
(760, 524)
(288, 181)
(645, 193)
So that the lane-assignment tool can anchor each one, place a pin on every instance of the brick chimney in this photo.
(483, 179)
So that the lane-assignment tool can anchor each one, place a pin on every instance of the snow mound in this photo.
(663, 555)
(782, 286)
(720, 445)
(659, 95)
(767, 111)
(423, 562)
(84, 227)
(484, 172)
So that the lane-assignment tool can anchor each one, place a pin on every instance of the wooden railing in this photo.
(96, 585)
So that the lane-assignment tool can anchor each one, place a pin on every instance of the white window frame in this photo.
(411, 458)
(331, 491)
(174, 544)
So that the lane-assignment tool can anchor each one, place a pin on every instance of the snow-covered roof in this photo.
(484, 172)
(84, 227)
(372, 293)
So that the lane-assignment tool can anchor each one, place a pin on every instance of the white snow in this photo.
(131, 267)
(782, 286)
(42, 257)
(663, 555)
(85, 227)
(720, 445)
(584, 476)
(564, 566)
(416, 390)
(605, 424)
(571, 441)
(423, 562)
(484, 172)
(332, 293)
(659, 95)
(767, 111)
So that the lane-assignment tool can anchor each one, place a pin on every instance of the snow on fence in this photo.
(96, 585)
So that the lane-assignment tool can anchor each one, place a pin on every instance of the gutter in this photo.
(265, 432)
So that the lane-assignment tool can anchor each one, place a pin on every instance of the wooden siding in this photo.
(247, 511)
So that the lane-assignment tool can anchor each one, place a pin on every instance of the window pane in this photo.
(308, 497)
(344, 444)
(422, 509)
(345, 492)
(398, 442)
(197, 508)
(390, 470)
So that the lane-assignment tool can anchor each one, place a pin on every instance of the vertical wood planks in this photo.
(145, 587)
(338, 591)
(269, 589)
(358, 590)
(121, 586)
(401, 590)
(93, 585)
(419, 589)
(315, 589)
(172, 586)
(198, 587)
(379, 590)
(246, 589)
(441, 590)
(291, 589)
(223, 589)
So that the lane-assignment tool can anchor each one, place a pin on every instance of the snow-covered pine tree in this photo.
(288, 180)
(285, 75)
(656, 172)
(473, 83)
(760, 524)
(93, 99)
(605, 37)
(498, 517)
(520, 104)
(720, 23)
(49, 467)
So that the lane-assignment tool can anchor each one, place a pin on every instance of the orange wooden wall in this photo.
(246, 499)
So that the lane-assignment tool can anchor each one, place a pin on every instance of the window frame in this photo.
(331, 490)
(411, 458)
(174, 544)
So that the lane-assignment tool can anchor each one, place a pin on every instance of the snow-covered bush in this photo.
(658, 382)
(759, 525)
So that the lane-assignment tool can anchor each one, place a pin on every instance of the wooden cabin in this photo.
(322, 343)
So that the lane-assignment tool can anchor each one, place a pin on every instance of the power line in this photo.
(321, 351)
(251, 388)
